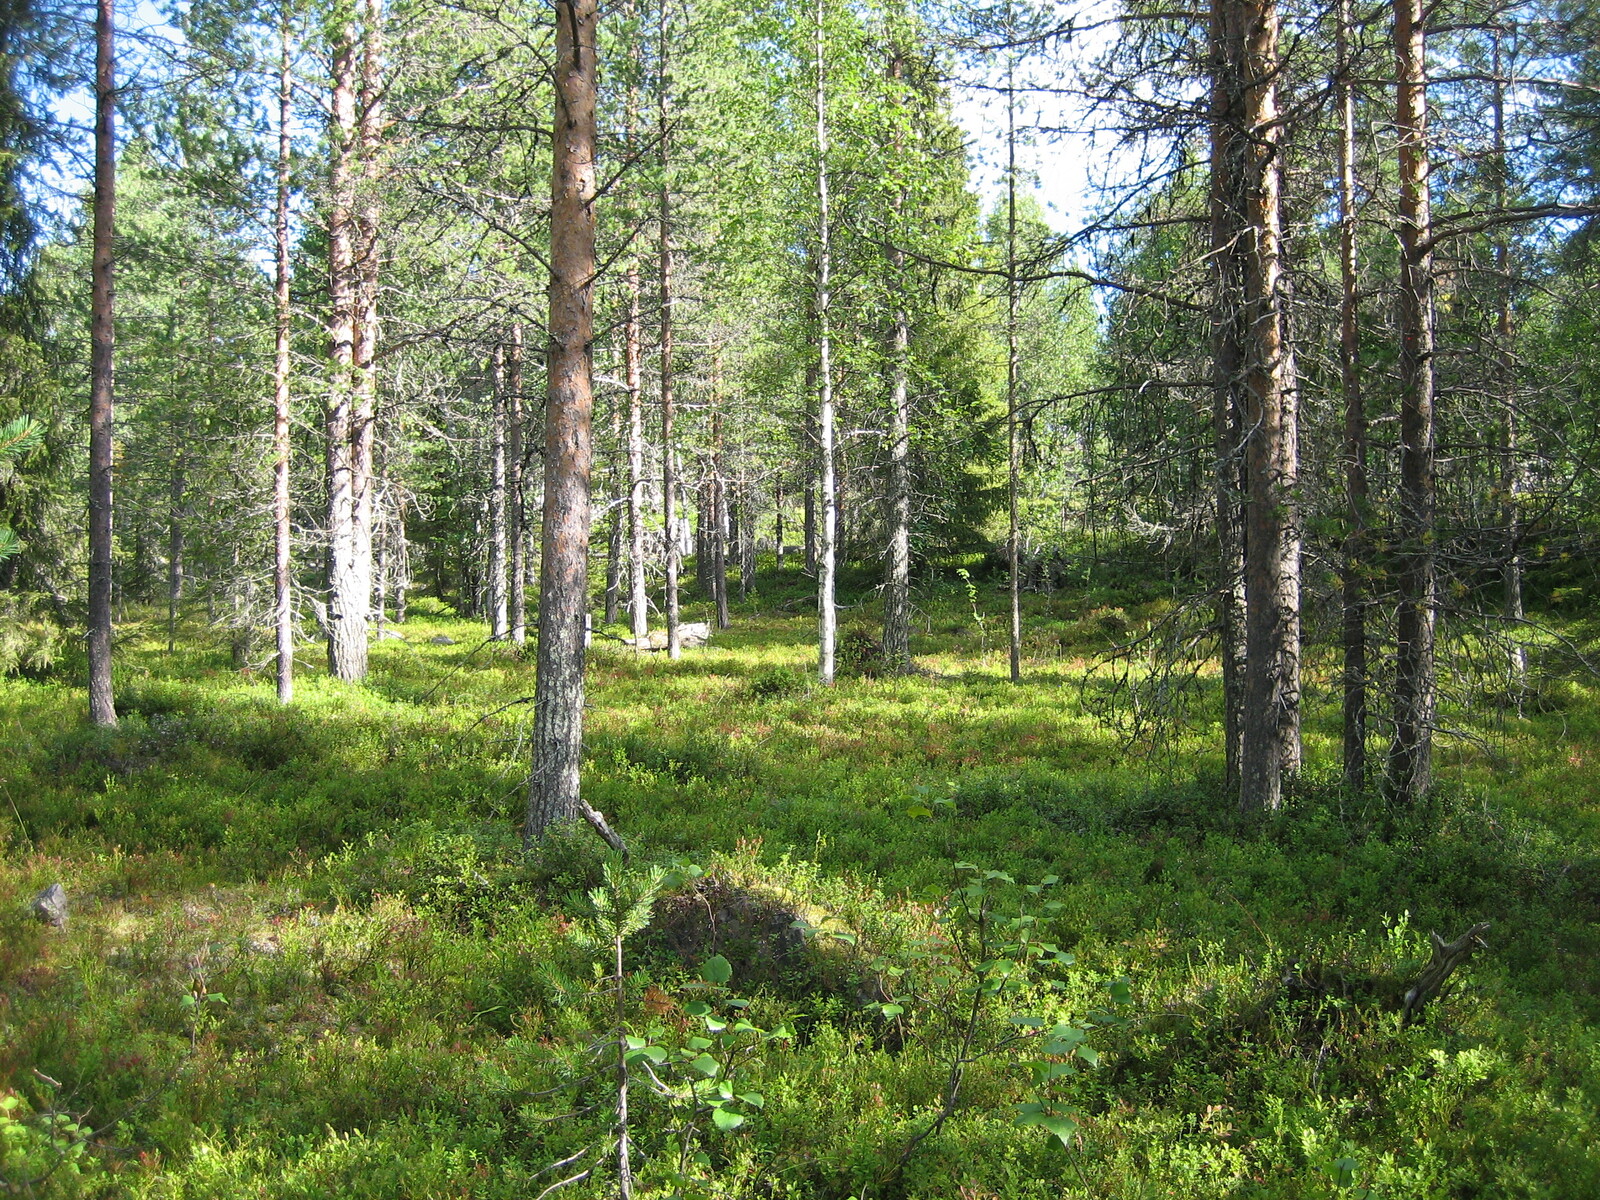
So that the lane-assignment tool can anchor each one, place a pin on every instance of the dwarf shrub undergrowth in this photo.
(409, 1013)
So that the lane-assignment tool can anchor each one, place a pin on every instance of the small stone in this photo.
(50, 906)
(442, 639)
(263, 943)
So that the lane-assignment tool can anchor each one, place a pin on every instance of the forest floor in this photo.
(928, 936)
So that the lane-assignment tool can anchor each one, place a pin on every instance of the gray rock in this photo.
(691, 633)
(263, 943)
(442, 639)
(50, 906)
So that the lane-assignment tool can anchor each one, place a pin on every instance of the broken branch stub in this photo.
(1447, 956)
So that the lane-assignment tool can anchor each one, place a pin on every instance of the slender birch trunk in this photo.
(102, 360)
(827, 613)
(897, 580)
(283, 604)
(367, 254)
(347, 618)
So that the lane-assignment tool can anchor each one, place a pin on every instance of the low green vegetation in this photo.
(927, 936)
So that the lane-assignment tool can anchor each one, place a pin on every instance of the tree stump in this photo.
(1447, 956)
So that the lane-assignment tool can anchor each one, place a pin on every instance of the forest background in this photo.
(1049, 678)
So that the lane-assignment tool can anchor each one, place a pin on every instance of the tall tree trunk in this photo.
(702, 574)
(402, 570)
(747, 541)
(517, 507)
(175, 490)
(380, 537)
(638, 598)
(1410, 766)
(283, 610)
(809, 532)
(368, 254)
(347, 617)
(1272, 614)
(176, 441)
(897, 574)
(102, 382)
(533, 487)
(499, 618)
(633, 375)
(1013, 528)
(844, 520)
(554, 797)
(1356, 549)
(616, 502)
(1285, 491)
(827, 613)
(669, 482)
(777, 516)
(1227, 356)
(719, 515)
(1511, 480)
